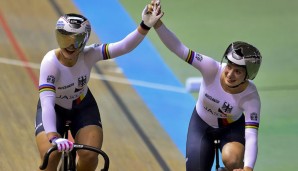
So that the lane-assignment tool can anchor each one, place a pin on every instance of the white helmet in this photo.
(244, 54)
(72, 29)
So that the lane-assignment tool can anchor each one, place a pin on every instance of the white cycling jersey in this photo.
(62, 85)
(214, 105)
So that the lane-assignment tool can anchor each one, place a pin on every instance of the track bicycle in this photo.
(68, 159)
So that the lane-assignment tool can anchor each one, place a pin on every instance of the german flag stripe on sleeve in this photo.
(105, 51)
(47, 87)
(253, 125)
(190, 56)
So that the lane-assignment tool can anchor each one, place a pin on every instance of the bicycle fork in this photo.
(68, 161)
(216, 144)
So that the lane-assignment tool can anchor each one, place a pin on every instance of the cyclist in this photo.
(228, 105)
(64, 94)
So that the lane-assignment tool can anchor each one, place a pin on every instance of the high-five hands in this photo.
(152, 13)
(154, 3)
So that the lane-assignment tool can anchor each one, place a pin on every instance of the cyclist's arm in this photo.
(252, 107)
(251, 147)
(47, 89)
(206, 65)
(97, 52)
(133, 39)
(126, 45)
(47, 100)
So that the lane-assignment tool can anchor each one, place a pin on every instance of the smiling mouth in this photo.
(70, 51)
(230, 81)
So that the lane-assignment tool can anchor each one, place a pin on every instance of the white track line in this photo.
(19, 63)
(103, 77)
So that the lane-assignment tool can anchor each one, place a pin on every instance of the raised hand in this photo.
(151, 15)
(151, 6)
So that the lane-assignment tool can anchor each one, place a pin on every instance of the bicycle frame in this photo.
(217, 165)
(216, 145)
(68, 159)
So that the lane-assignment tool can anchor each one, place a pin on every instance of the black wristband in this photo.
(144, 26)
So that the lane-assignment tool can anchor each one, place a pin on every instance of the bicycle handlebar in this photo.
(77, 147)
(46, 157)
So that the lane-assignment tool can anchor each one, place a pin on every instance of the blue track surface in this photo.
(167, 100)
(172, 109)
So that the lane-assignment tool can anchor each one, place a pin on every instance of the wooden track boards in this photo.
(133, 139)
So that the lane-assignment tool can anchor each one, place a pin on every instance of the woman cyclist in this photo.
(64, 94)
(228, 105)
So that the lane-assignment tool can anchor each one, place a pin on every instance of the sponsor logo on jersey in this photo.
(199, 57)
(254, 116)
(219, 114)
(223, 112)
(75, 96)
(211, 98)
(65, 87)
(51, 79)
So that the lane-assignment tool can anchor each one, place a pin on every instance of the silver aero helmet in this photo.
(72, 29)
(244, 54)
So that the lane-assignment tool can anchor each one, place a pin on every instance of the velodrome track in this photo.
(26, 34)
(133, 138)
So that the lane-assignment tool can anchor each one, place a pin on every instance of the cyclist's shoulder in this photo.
(92, 48)
(50, 58)
(251, 88)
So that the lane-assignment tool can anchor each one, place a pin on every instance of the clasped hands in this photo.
(152, 13)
